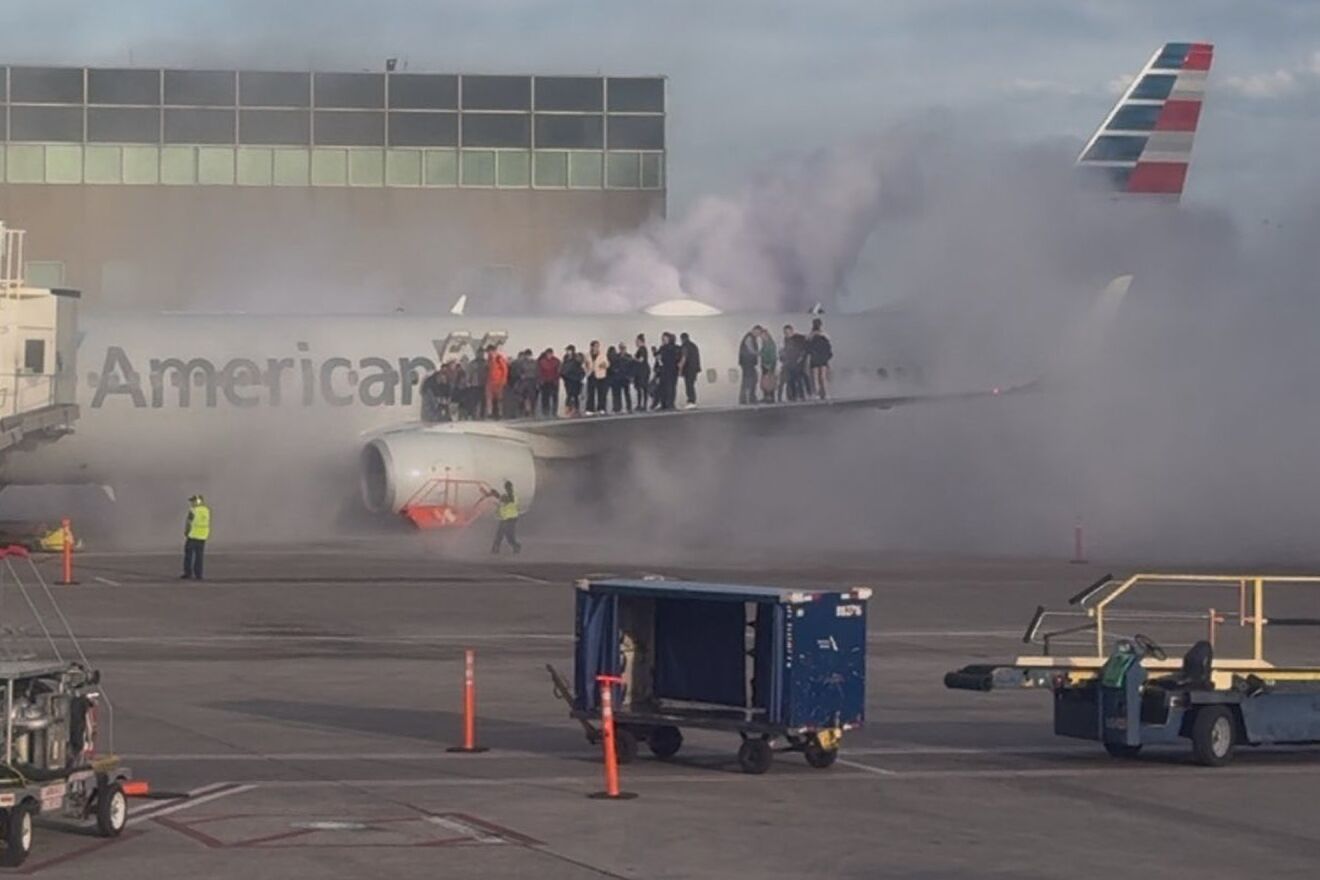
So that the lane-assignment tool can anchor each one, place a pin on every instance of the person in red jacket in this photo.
(497, 377)
(547, 379)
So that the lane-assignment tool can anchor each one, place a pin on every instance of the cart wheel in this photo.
(18, 836)
(818, 756)
(665, 742)
(1120, 750)
(111, 809)
(755, 755)
(1213, 736)
(625, 745)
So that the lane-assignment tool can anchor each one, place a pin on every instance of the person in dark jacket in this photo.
(641, 372)
(689, 365)
(819, 354)
(794, 355)
(667, 357)
(749, 358)
(573, 373)
(435, 397)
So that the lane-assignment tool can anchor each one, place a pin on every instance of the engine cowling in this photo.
(396, 467)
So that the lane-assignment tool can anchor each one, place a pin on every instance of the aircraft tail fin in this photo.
(1144, 146)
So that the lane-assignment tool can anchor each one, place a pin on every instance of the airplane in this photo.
(157, 391)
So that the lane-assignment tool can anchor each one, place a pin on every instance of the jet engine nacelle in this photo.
(396, 466)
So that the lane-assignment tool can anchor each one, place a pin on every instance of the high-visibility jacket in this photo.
(508, 508)
(199, 523)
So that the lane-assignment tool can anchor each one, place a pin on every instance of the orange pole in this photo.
(1212, 627)
(612, 791)
(469, 704)
(66, 529)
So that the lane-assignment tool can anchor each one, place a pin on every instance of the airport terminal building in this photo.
(353, 191)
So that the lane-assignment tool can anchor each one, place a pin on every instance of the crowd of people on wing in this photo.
(620, 378)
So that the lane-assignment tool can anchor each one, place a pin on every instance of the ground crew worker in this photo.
(507, 514)
(196, 531)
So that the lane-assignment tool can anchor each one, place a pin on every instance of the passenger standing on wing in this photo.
(573, 373)
(477, 379)
(432, 397)
(196, 532)
(597, 371)
(689, 365)
(626, 372)
(749, 358)
(769, 360)
(795, 363)
(527, 383)
(667, 357)
(507, 514)
(497, 379)
(641, 372)
(547, 379)
(819, 352)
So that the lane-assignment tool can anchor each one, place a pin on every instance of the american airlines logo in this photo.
(305, 380)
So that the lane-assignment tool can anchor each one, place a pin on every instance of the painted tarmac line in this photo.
(106, 581)
(528, 578)
(226, 790)
(878, 771)
(275, 637)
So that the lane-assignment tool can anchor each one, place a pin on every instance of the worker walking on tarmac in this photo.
(507, 514)
(196, 531)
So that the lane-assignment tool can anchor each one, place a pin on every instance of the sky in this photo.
(753, 80)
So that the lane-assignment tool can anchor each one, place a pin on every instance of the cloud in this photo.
(1282, 82)
(1032, 86)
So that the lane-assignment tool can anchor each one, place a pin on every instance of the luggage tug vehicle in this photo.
(1125, 692)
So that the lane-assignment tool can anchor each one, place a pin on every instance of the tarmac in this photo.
(305, 698)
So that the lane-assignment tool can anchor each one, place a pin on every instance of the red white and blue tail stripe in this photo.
(1145, 144)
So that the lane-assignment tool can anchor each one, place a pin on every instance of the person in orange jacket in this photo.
(497, 376)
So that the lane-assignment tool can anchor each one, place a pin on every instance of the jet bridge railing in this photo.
(1100, 610)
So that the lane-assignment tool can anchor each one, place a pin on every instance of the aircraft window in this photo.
(34, 355)
(1117, 148)
(712, 375)
(1154, 87)
(1135, 117)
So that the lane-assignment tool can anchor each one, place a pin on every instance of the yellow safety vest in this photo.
(200, 527)
(507, 510)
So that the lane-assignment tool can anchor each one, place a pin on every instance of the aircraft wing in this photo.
(574, 437)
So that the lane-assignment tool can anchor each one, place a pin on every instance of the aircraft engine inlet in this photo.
(397, 468)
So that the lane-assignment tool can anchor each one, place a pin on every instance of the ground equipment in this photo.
(52, 732)
(1124, 691)
(785, 669)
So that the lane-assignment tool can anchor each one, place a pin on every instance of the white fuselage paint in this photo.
(310, 388)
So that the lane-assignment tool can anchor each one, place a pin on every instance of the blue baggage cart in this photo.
(785, 669)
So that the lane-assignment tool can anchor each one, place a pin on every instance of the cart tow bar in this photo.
(564, 691)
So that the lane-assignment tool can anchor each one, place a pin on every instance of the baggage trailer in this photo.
(785, 669)
(1130, 694)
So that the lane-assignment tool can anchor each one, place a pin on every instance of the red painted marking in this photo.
(1179, 116)
(1158, 177)
(188, 831)
(1199, 56)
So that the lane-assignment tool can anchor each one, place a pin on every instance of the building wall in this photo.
(255, 190)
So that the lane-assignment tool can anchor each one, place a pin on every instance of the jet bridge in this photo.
(38, 343)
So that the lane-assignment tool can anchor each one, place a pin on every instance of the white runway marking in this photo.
(878, 771)
(528, 578)
(365, 639)
(106, 581)
(196, 798)
(944, 634)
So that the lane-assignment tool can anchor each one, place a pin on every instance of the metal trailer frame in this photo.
(85, 785)
(810, 652)
(1132, 694)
